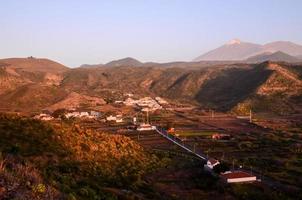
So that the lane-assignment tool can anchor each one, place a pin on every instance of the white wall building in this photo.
(238, 177)
(111, 118)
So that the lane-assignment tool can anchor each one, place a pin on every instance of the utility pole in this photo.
(251, 120)
(233, 164)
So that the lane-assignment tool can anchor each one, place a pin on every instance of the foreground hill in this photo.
(49, 161)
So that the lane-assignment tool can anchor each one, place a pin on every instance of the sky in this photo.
(75, 32)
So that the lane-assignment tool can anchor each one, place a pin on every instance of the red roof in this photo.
(236, 174)
(213, 161)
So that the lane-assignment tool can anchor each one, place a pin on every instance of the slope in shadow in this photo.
(232, 86)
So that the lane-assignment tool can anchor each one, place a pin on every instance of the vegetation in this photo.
(77, 163)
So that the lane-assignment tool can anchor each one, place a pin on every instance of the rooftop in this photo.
(236, 174)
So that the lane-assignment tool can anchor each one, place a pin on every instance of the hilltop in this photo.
(32, 64)
(126, 62)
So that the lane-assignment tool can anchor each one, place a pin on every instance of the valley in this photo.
(246, 116)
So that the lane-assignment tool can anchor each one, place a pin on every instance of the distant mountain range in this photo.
(30, 84)
(238, 50)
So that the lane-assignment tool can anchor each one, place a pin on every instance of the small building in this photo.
(134, 120)
(95, 114)
(84, 114)
(111, 118)
(129, 94)
(171, 130)
(211, 163)
(238, 177)
(219, 136)
(145, 127)
(119, 119)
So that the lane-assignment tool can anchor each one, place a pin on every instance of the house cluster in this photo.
(147, 103)
(116, 118)
(89, 115)
(237, 176)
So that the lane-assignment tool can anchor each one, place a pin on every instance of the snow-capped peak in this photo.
(234, 41)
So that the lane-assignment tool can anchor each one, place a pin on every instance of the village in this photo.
(143, 119)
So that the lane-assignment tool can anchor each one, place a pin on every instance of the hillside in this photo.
(218, 86)
(50, 161)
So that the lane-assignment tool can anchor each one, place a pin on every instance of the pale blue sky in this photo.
(74, 32)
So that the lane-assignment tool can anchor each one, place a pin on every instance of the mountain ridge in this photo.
(278, 56)
(238, 50)
(219, 86)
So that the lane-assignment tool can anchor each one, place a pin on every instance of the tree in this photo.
(220, 168)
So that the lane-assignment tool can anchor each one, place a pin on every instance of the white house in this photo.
(211, 163)
(119, 119)
(238, 177)
(111, 118)
(84, 114)
(145, 127)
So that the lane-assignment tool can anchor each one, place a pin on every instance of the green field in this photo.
(196, 133)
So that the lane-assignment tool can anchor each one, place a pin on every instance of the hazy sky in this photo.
(74, 32)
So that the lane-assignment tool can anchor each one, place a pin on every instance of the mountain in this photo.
(284, 46)
(277, 56)
(124, 62)
(233, 50)
(299, 57)
(91, 66)
(238, 50)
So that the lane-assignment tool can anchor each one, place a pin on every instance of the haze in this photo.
(78, 32)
